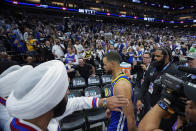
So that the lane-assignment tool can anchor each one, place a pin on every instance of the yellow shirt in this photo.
(87, 54)
(29, 45)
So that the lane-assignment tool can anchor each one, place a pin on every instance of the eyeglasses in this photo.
(146, 57)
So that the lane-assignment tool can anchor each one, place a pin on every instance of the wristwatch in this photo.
(165, 107)
(105, 102)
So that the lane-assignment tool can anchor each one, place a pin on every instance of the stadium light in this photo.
(15, 2)
(64, 8)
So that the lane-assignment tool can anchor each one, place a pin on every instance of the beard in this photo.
(159, 64)
(60, 108)
(108, 72)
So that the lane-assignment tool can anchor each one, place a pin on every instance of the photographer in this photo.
(190, 109)
(188, 123)
(140, 68)
(161, 64)
(172, 102)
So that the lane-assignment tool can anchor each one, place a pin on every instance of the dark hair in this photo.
(113, 56)
(166, 51)
(59, 109)
(148, 53)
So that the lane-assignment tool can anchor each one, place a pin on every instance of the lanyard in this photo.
(164, 68)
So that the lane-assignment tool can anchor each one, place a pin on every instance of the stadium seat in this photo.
(95, 117)
(94, 81)
(78, 83)
(75, 120)
(106, 79)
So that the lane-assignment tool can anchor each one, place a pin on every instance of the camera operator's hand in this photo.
(190, 110)
(167, 100)
(171, 102)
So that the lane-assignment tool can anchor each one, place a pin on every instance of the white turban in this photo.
(9, 70)
(39, 91)
(9, 78)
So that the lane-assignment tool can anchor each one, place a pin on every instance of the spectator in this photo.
(131, 55)
(57, 50)
(5, 63)
(85, 70)
(79, 48)
(48, 51)
(20, 46)
(30, 44)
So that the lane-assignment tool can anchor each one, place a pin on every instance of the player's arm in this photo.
(124, 88)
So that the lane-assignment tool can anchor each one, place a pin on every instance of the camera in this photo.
(176, 91)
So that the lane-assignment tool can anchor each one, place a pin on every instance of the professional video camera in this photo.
(176, 91)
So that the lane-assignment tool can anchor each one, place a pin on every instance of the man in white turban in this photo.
(41, 95)
(7, 80)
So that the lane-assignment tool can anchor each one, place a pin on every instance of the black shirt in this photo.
(84, 71)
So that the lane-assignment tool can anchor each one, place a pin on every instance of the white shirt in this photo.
(100, 53)
(79, 49)
(25, 36)
(56, 49)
